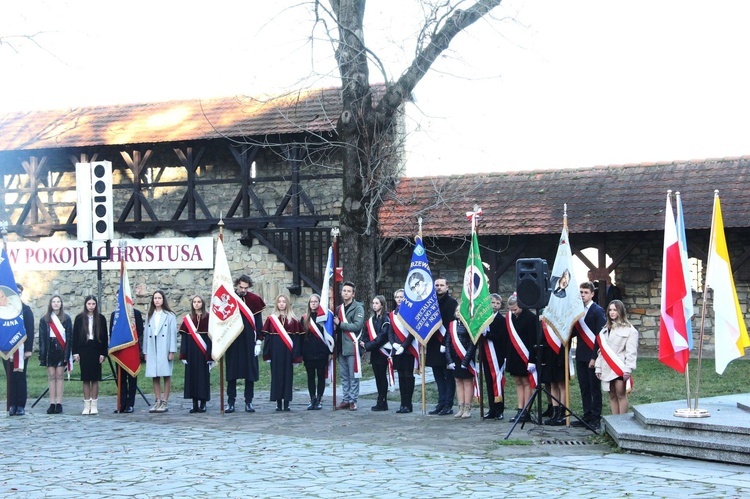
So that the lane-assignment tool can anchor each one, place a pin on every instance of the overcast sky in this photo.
(545, 84)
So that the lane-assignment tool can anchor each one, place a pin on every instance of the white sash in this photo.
(279, 327)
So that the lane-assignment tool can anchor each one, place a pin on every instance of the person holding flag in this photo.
(493, 360)
(195, 354)
(378, 329)
(316, 353)
(89, 350)
(55, 334)
(16, 364)
(282, 349)
(349, 321)
(129, 382)
(587, 328)
(618, 352)
(242, 354)
(405, 355)
(435, 356)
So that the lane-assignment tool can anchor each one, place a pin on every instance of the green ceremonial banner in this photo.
(476, 307)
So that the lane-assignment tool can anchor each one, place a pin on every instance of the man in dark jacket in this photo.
(435, 358)
(129, 384)
(17, 391)
(586, 352)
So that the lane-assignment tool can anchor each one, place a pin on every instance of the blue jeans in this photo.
(349, 384)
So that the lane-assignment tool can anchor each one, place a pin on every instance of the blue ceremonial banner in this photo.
(12, 330)
(325, 314)
(420, 312)
(123, 345)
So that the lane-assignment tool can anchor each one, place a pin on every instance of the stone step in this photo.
(653, 428)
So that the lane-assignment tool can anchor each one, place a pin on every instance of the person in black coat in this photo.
(459, 354)
(195, 354)
(282, 349)
(128, 384)
(435, 357)
(90, 348)
(495, 348)
(404, 362)
(17, 388)
(242, 354)
(588, 383)
(378, 329)
(521, 354)
(316, 353)
(54, 350)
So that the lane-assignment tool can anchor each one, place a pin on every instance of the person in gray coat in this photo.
(159, 348)
(349, 321)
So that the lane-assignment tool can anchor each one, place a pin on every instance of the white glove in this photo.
(396, 346)
(399, 350)
(184, 361)
(442, 348)
(257, 348)
(211, 364)
(451, 366)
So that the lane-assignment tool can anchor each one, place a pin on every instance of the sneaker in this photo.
(163, 407)
(155, 407)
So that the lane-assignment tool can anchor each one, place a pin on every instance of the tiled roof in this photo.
(600, 199)
(312, 110)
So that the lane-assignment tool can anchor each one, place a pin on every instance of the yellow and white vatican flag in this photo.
(225, 319)
(730, 332)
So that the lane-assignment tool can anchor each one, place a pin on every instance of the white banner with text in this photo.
(157, 253)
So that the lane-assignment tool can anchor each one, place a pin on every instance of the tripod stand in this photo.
(539, 389)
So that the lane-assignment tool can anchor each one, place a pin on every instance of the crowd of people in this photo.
(605, 355)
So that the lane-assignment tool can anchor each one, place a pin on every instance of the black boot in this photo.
(492, 413)
(381, 405)
(51, 409)
(230, 406)
(278, 406)
(319, 403)
(552, 420)
(286, 406)
(548, 412)
(195, 406)
(313, 403)
(58, 408)
(202, 406)
(518, 415)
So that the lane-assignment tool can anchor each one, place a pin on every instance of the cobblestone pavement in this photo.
(327, 454)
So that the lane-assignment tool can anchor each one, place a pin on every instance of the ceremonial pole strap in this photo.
(391, 374)
(58, 330)
(279, 329)
(193, 333)
(613, 361)
(552, 339)
(585, 333)
(495, 371)
(357, 362)
(515, 339)
(18, 358)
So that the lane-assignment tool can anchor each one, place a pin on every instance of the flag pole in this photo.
(422, 349)
(688, 290)
(4, 232)
(567, 343)
(221, 359)
(482, 339)
(711, 242)
(335, 244)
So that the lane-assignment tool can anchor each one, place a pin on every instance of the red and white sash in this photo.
(496, 371)
(372, 334)
(18, 360)
(553, 340)
(279, 328)
(461, 352)
(533, 379)
(355, 342)
(193, 333)
(59, 331)
(586, 334)
(613, 361)
(400, 331)
(245, 310)
(515, 339)
(313, 328)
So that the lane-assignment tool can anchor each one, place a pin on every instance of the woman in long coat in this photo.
(315, 353)
(282, 349)
(159, 347)
(621, 340)
(195, 353)
(378, 329)
(90, 348)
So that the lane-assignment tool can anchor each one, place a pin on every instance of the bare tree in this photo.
(368, 120)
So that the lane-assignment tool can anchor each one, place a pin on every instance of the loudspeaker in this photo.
(532, 283)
